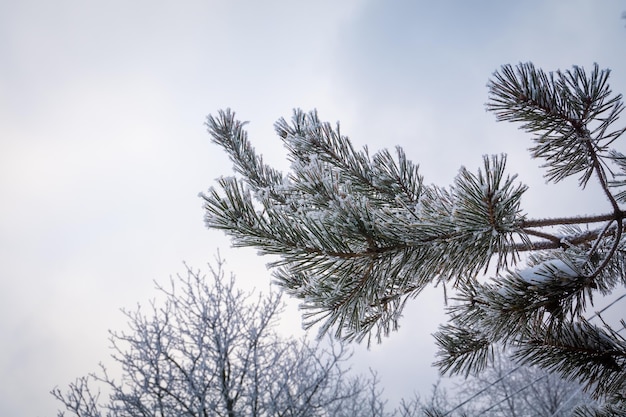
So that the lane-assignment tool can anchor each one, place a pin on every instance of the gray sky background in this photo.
(103, 150)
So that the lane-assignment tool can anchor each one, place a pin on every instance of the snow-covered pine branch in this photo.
(357, 234)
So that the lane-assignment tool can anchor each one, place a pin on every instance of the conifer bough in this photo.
(357, 234)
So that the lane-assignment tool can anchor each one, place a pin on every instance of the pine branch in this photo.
(558, 109)
(560, 221)
(580, 351)
(357, 234)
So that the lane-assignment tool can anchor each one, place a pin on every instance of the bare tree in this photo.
(208, 349)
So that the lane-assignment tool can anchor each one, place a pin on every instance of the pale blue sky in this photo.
(103, 149)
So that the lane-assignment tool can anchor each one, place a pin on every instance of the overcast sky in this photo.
(103, 150)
